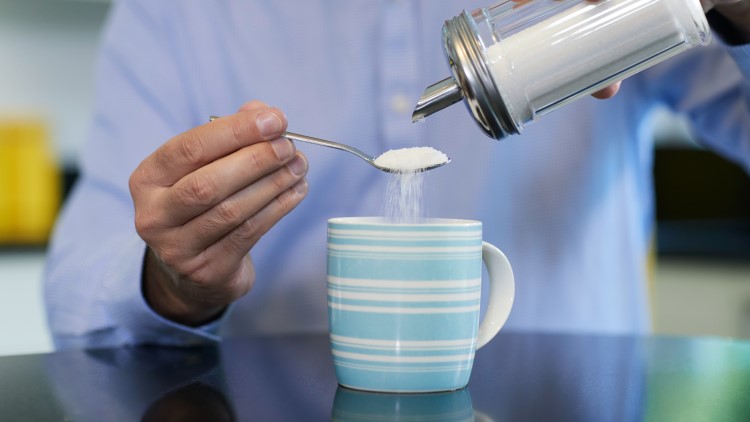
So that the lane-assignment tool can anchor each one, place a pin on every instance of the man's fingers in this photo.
(607, 92)
(210, 185)
(204, 144)
(277, 187)
(236, 244)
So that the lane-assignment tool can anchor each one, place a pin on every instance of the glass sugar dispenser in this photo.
(517, 60)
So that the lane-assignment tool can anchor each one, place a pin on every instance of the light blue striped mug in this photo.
(403, 302)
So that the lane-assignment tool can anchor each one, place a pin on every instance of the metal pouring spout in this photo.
(437, 97)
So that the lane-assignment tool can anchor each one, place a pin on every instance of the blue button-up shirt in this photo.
(569, 201)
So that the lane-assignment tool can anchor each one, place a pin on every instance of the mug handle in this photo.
(502, 291)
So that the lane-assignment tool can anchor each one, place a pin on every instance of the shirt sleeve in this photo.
(93, 273)
(741, 56)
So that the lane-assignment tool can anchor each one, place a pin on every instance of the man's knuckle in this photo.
(199, 191)
(134, 181)
(247, 230)
(171, 255)
(238, 130)
(244, 235)
(256, 162)
(145, 223)
(284, 203)
(205, 227)
(198, 270)
(192, 149)
(280, 180)
(142, 227)
(227, 212)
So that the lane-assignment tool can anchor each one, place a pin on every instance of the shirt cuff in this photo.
(135, 321)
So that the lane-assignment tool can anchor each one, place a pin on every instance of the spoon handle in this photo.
(325, 143)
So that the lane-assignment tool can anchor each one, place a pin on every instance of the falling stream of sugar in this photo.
(404, 197)
(403, 203)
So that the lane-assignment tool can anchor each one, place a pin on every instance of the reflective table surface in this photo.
(517, 377)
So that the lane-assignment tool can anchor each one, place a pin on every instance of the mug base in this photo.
(401, 391)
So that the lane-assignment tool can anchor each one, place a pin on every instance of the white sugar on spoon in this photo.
(407, 160)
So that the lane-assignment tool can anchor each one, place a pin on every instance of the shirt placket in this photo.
(399, 73)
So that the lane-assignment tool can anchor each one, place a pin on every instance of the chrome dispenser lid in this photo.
(471, 81)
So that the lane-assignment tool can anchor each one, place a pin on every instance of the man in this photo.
(180, 229)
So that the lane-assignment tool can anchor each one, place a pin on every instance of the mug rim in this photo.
(382, 221)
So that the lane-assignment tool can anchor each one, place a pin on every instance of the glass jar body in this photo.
(543, 54)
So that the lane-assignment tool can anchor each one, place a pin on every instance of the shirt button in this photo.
(400, 104)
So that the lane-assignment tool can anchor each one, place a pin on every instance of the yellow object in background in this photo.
(30, 182)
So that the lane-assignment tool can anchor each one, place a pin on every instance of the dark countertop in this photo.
(517, 377)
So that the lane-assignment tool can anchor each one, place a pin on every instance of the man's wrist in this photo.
(161, 294)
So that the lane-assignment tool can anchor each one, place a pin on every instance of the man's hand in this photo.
(607, 92)
(203, 200)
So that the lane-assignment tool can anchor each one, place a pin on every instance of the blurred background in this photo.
(701, 283)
